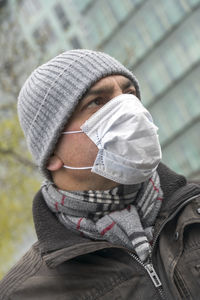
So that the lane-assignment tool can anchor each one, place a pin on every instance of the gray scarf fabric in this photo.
(124, 215)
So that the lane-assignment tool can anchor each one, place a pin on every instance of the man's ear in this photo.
(54, 163)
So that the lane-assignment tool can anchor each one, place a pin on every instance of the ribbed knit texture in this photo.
(51, 93)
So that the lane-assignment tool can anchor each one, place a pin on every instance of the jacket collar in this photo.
(175, 188)
(53, 236)
(56, 243)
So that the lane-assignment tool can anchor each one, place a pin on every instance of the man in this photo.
(112, 221)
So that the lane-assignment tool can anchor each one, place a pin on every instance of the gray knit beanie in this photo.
(50, 94)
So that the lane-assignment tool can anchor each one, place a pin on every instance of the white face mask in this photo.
(124, 132)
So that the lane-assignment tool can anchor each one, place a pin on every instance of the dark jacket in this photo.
(62, 265)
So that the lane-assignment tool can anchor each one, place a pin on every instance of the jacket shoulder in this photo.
(26, 267)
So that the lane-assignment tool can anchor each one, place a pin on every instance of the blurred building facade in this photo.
(158, 40)
(51, 26)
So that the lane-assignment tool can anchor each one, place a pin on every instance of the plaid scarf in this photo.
(124, 215)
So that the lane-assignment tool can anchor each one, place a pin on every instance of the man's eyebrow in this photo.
(126, 84)
(100, 90)
(108, 89)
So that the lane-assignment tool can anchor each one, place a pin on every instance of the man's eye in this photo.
(95, 103)
(133, 92)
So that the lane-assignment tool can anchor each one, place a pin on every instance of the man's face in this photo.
(77, 150)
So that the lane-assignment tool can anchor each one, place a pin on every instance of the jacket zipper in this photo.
(152, 274)
(149, 265)
(161, 228)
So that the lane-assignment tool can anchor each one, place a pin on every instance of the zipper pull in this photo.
(152, 273)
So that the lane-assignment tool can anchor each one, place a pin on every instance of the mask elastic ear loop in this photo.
(74, 131)
(76, 168)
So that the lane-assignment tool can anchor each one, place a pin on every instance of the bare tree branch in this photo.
(7, 106)
(18, 158)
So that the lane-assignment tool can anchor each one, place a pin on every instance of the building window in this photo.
(180, 105)
(136, 2)
(193, 2)
(183, 154)
(44, 35)
(61, 15)
(75, 43)
(82, 5)
(101, 23)
(30, 7)
(119, 9)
